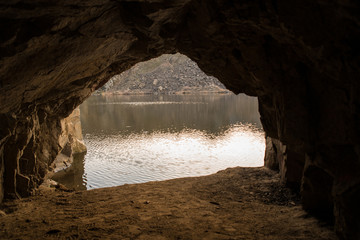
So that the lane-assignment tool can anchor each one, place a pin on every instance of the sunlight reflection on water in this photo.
(146, 157)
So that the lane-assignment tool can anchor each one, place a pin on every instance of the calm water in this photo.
(134, 139)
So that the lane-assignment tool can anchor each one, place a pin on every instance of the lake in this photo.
(135, 139)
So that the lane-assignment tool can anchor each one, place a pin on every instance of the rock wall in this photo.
(71, 142)
(301, 58)
(71, 133)
(32, 144)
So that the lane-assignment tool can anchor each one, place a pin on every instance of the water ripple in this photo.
(140, 157)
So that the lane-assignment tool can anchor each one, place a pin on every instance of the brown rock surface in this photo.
(238, 203)
(301, 58)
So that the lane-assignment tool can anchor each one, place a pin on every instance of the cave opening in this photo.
(163, 119)
(301, 59)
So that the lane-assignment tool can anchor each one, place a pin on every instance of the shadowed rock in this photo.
(301, 58)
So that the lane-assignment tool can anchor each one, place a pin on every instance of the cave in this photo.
(300, 58)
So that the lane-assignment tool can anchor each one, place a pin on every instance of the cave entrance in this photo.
(164, 119)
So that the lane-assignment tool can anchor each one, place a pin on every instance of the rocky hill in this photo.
(167, 74)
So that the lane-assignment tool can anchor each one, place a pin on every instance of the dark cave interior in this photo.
(300, 58)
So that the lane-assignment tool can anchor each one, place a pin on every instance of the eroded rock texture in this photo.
(301, 58)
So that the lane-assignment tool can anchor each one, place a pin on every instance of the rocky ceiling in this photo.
(300, 57)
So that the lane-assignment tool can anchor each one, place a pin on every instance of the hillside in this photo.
(167, 74)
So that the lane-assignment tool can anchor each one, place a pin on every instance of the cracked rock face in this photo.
(301, 58)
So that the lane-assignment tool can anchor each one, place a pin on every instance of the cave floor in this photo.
(237, 203)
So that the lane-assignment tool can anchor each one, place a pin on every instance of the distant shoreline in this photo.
(165, 93)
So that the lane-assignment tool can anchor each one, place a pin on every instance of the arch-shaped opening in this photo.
(54, 55)
(159, 120)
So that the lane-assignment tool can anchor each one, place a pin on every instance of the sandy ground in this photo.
(237, 203)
